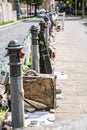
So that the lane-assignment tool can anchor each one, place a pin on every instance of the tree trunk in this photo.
(83, 9)
(27, 8)
(35, 9)
(76, 8)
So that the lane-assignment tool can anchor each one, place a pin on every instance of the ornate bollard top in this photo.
(34, 29)
(43, 24)
(14, 45)
(46, 18)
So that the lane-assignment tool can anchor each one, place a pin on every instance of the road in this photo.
(15, 32)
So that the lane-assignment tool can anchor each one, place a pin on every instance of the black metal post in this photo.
(45, 64)
(35, 49)
(16, 84)
(17, 7)
(46, 29)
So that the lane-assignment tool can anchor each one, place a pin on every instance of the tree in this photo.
(75, 2)
(35, 3)
(83, 9)
(68, 2)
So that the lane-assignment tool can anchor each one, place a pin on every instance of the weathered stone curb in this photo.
(3, 26)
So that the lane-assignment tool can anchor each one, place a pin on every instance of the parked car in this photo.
(66, 9)
(42, 13)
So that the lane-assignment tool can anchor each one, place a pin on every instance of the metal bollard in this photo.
(16, 84)
(50, 29)
(46, 19)
(42, 26)
(17, 8)
(41, 47)
(45, 65)
(46, 29)
(35, 49)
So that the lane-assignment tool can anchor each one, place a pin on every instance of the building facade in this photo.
(6, 12)
(48, 4)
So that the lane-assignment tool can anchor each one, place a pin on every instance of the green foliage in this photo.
(69, 2)
(3, 108)
(2, 114)
(32, 2)
(26, 67)
(37, 2)
(30, 59)
(4, 23)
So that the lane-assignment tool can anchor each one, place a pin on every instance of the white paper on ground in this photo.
(61, 75)
(39, 118)
(59, 96)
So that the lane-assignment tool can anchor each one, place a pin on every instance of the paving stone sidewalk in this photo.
(71, 60)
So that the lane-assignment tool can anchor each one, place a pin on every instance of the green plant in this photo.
(3, 108)
(25, 68)
(4, 23)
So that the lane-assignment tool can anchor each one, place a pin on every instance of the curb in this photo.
(15, 22)
(3, 26)
(72, 18)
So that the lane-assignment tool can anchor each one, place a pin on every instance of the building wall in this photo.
(48, 4)
(6, 12)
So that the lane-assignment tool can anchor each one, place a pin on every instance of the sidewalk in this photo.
(71, 60)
